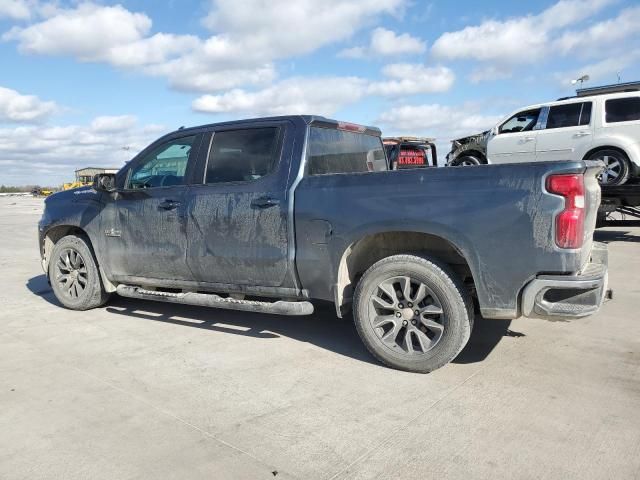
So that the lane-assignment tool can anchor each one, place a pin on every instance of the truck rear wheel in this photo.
(74, 274)
(412, 313)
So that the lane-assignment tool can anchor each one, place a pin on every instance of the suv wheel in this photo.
(412, 313)
(617, 167)
(465, 161)
(74, 275)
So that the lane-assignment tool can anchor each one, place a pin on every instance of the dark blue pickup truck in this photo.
(268, 215)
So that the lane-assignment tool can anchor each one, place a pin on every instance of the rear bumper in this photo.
(563, 297)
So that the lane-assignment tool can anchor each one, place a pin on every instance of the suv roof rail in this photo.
(565, 98)
(615, 88)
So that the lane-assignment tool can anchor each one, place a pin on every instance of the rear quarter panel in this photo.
(497, 216)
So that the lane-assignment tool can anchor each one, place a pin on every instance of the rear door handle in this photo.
(169, 204)
(529, 139)
(582, 134)
(264, 202)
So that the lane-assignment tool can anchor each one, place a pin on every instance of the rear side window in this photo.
(242, 155)
(622, 109)
(570, 115)
(339, 151)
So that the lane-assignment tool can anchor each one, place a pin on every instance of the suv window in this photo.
(242, 155)
(164, 166)
(521, 122)
(622, 109)
(569, 115)
(339, 151)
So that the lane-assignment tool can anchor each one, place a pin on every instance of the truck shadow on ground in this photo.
(322, 328)
(608, 236)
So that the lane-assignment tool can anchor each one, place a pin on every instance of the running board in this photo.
(279, 307)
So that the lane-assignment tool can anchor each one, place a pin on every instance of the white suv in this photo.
(599, 123)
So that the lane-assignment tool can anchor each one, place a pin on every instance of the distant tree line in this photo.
(23, 188)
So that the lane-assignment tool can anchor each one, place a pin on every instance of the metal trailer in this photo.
(620, 205)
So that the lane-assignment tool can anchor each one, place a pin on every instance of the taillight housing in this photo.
(570, 221)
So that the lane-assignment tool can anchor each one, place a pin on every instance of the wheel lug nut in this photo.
(413, 322)
(398, 314)
(409, 304)
(404, 322)
(417, 312)
(400, 305)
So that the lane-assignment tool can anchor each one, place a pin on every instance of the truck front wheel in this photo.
(412, 313)
(74, 275)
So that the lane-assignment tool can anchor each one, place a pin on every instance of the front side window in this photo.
(622, 109)
(243, 155)
(165, 166)
(569, 115)
(521, 122)
(338, 151)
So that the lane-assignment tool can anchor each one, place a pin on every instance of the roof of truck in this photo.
(308, 119)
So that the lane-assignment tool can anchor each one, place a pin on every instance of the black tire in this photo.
(618, 167)
(465, 161)
(83, 289)
(405, 350)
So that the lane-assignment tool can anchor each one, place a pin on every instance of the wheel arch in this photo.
(474, 153)
(55, 233)
(604, 147)
(369, 249)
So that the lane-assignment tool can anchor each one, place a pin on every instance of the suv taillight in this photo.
(570, 221)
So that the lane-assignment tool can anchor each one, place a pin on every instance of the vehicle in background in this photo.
(410, 152)
(468, 151)
(600, 123)
(268, 215)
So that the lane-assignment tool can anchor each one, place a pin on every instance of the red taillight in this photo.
(570, 221)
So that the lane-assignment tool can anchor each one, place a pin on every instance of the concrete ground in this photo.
(150, 390)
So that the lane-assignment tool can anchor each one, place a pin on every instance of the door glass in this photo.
(561, 116)
(242, 155)
(521, 122)
(622, 109)
(585, 113)
(165, 166)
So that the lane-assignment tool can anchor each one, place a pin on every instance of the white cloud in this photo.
(602, 37)
(519, 40)
(15, 9)
(411, 79)
(87, 32)
(249, 37)
(326, 95)
(322, 95)
(386, 43)
(444, 122)
(112, 124)
(15, 107)
(48, 155)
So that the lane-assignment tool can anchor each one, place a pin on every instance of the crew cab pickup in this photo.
(274, 214)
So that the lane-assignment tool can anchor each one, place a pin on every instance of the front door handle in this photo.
(265, 202)
(169, 204)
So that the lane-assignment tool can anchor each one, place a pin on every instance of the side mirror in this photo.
(105, 182)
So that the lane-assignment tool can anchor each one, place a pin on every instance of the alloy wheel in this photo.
(406, 315)
(71, 273)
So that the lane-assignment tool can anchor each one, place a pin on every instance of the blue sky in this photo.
(91, 83)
